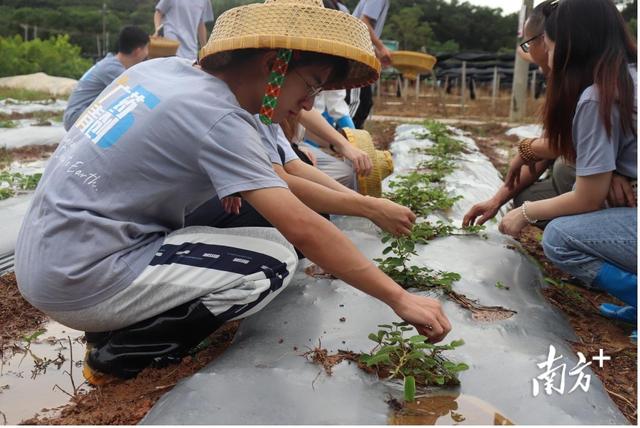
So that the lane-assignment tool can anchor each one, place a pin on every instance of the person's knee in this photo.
(554, 241)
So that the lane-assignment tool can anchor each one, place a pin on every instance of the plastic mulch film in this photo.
(263, 379)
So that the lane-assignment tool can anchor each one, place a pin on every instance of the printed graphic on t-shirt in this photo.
(111, 116)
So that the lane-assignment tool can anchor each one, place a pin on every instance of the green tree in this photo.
(409, 29)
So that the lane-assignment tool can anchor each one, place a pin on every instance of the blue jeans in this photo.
(581, 244)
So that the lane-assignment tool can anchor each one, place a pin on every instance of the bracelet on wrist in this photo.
(526, 152)
(523, 207)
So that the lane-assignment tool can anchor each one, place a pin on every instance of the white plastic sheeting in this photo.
(41, 82)
(10, 106)
(261, 379)
(526, 131)
(13, 138)
(12, 212)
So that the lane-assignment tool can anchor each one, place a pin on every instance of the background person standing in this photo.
(374, 14)
(184, 21)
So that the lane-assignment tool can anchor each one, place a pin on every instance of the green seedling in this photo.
(397, 266)
(565, 289)
(416, 192)
(8, 124)
(411, 359)
(501, 286)
(13, 182)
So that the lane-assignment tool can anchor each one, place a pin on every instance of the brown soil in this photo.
(17, 317)
(381, 132)
(25, 154)
(434, 104)
(127, 402)
(480, 312)
(121, 403)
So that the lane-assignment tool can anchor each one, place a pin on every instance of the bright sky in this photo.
(508, 6)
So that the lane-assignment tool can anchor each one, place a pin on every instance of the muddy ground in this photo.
(128, 402)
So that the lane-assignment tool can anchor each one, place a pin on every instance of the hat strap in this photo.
(274, 85)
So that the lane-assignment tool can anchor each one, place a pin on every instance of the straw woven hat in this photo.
(300, 25)
(411, 63)
(381, 159)
(160, 47)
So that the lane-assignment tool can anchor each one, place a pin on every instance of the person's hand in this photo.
(621, 193)
(425, 314)
(307, 151)
(513, 175)
(384, 55)
(485, 210)
(360, 159)
(513, 223)
(391, 217)
(232, 204)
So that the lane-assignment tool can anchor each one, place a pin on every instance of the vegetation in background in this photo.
(54, 56)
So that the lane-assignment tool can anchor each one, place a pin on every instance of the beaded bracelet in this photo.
(524, 213)
(526, 152)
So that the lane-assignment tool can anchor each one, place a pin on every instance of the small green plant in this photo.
(475, 229)
(8, 124)
(411, 359)
(13, 182)
(416, 192)
(501, 286)
(565, 289)
(397, 266)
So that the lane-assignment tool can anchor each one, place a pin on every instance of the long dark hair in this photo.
(592, 46)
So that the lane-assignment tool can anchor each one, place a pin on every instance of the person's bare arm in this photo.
(589, 195)
(485, 211)
(389, 216)
(158, 17)
(329, 248)
(202, 34)
(301, 169)
(382, 52)
(319, 130)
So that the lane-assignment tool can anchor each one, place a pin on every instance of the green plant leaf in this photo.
(409, 388)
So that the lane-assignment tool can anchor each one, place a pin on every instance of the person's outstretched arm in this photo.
(329, 248)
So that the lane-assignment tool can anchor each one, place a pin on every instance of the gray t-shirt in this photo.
(272, 137)
(376, 10)
(157, 143)
(181, 20)
(596, 151)
(89, 87)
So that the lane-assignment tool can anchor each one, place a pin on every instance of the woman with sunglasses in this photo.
(589, 119)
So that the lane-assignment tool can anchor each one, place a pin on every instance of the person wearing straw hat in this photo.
(132, 48)
(103, 247)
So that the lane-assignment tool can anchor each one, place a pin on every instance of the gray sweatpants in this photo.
(234, 272)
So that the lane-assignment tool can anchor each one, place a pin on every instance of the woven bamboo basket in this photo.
(410, 64)
(160, 47)
(382, 162)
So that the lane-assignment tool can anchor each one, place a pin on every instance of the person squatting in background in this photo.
(132, 48)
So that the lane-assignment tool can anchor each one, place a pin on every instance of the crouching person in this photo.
(103, 246)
